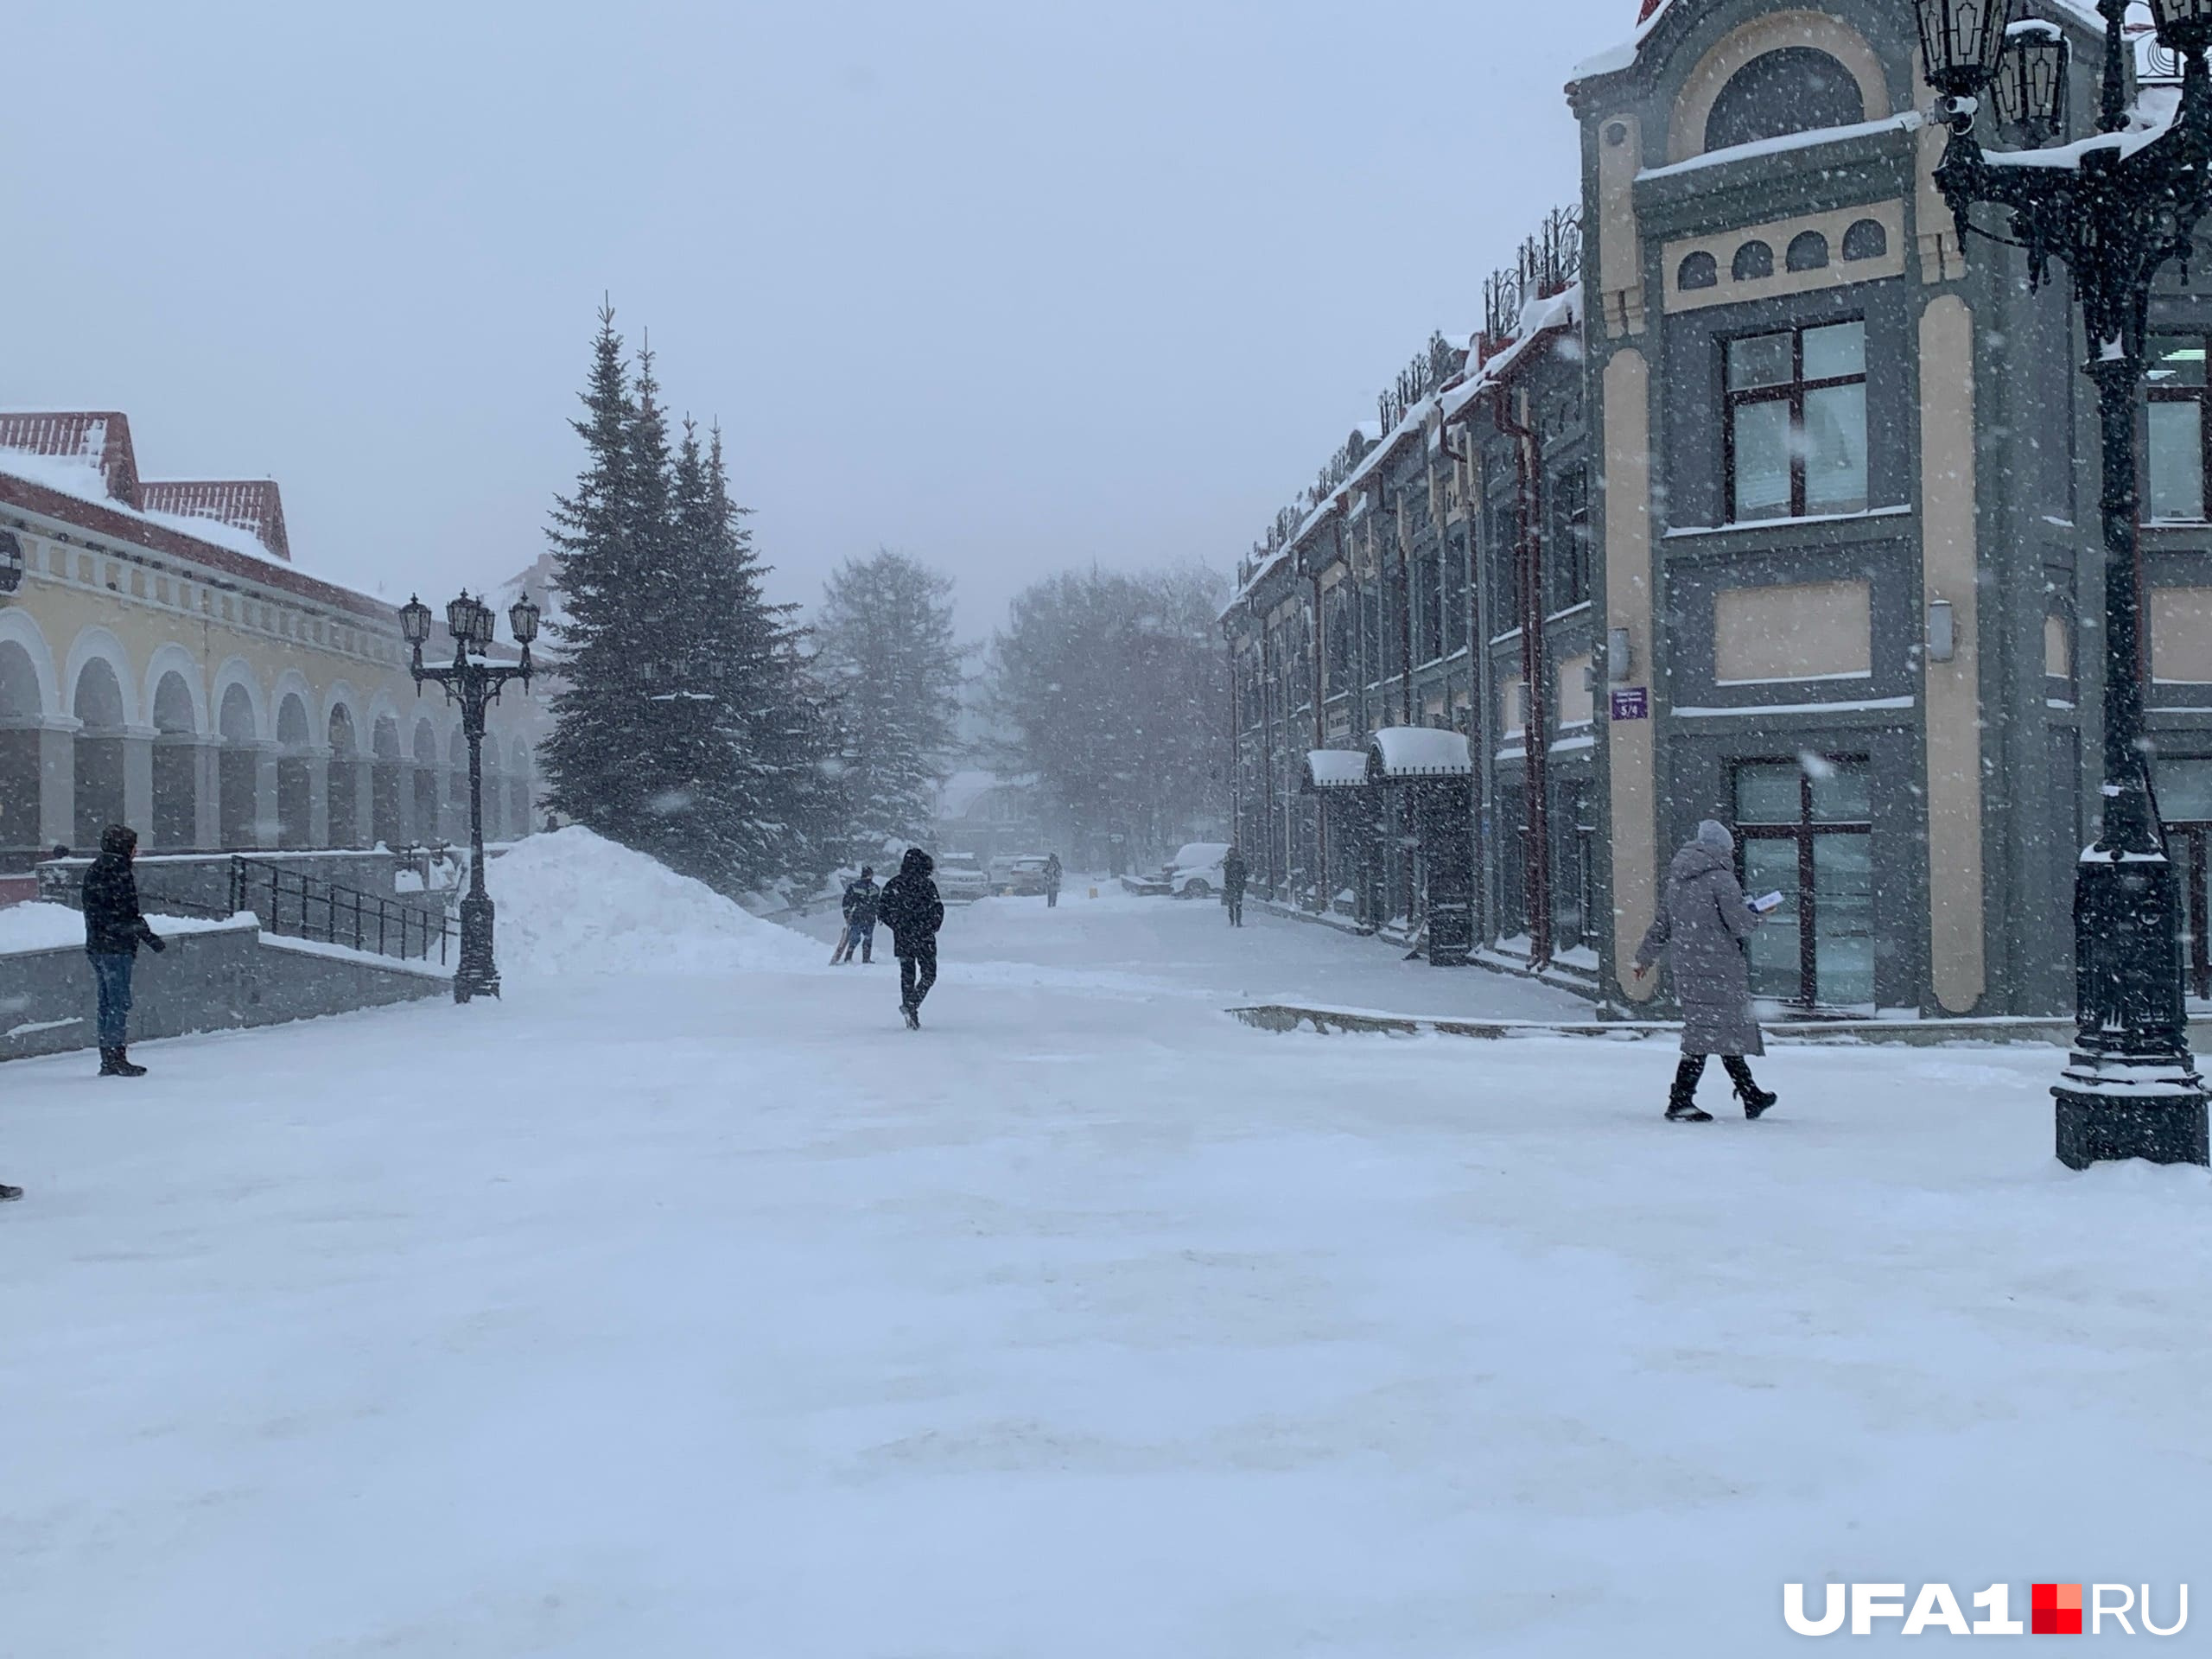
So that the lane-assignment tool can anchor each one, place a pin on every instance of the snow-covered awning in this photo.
(1423, 752)
(1336, 768)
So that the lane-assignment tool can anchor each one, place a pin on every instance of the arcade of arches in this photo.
(91, 736)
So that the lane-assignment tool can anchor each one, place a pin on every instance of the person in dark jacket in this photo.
(1705, 927)
(114, 929)
(861, 902)
(1054, 875)
(913, 911)
(1235, 872)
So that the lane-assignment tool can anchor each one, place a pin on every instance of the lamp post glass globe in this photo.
(480, 625)
(2185, 26)
(457, 618)
(11, 563)
(524, 619)
(415, 621)
(1960, 41)
(2032, 82)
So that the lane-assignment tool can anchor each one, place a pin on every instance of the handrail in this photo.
(327, 913)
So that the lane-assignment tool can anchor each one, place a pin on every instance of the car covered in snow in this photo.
(961, 881)
(1195, 872)
(1019, 878)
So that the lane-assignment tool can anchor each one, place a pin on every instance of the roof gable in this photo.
(99, 438)
(252, 505)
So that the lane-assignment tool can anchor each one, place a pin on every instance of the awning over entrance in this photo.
(1336, 768)
(1418, 751)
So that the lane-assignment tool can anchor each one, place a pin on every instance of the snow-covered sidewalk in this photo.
(660, 1315)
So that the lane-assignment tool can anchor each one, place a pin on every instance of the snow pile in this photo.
(573, 902)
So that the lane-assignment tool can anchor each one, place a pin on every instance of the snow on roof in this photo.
(97, 438)
(963, 790)
(1424, 752)
(80, 477)
(1651, 13)
(252, 505)
(1911, 121)
(1337, 768)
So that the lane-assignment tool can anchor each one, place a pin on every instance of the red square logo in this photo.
(2056, 1610)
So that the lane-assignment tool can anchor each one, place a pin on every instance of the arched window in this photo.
(1794, 89)
(1808, 251)
(1867, 239)
(1699, 271)
(1754, 260)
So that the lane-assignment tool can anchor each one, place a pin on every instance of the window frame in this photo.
(1793, 392)
(1805, 831)
(2200, 395)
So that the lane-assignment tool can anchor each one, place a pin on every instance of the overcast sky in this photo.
(1008, 286)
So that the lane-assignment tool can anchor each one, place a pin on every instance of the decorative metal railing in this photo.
(293, 905)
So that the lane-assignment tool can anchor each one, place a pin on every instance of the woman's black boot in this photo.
(1682, 1101)
(1757, 1101)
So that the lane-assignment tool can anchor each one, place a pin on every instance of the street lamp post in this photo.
(11, 563)
(475, 686)
(2114, 209)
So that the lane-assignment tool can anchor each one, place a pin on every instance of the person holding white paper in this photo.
(1705, 925)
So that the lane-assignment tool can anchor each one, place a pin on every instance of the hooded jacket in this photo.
(114, 926)
(861, 902)
(912, 908)
(1704, 926)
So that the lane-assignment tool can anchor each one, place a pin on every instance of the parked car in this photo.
(1021, 877)
(961, 881)
(1195, 872)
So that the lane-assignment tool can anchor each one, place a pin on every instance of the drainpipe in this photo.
(1535, 736)
(1320, 737)
(1477, 652)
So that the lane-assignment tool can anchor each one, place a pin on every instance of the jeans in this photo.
(112, 973)
(862, 939)
(917, 974)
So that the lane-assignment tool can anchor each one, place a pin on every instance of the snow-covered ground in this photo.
(712, 1313)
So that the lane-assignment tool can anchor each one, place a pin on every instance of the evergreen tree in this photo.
(685, 730)
(888, 657)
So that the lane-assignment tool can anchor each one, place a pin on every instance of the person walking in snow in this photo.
(1054, 875)
(913, 911)
(1235, 872)
(1705, 927)
(114, 929)
(861, 902)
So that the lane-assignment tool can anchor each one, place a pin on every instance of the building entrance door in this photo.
(1804, 828)
(2185, 804)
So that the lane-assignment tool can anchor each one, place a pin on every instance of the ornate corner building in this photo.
(1758, 498)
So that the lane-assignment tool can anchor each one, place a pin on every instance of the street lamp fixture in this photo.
(475, 686)
(11, 563)
(2113, 209)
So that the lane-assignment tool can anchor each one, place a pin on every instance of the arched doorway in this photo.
(457, 788)
(426, 781)
(295, 778)
(385, 806)
(495, 794)
(176, 766)
(518, 814)
(98, 705)
(21, 708)
(344, 780)
(238, 771)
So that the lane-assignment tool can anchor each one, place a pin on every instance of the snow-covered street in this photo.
(650, 1315)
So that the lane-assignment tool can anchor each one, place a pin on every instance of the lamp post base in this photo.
(2104, 1125)
(478, 974)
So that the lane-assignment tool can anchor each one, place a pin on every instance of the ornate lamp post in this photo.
(2113, 209)
(11, 563)
(475, 686)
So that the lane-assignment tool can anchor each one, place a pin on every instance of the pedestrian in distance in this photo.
(114, 929)
(1705, 925)
(912, 910)
(1235, 872)
(862, 900)
(1054, 875)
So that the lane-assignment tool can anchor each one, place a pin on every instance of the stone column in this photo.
(207, 792)
(267, 832)
(318, 761)
(57, 784)
(364, 804)
(138, 780)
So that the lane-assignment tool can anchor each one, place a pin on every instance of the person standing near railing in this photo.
(114, 929)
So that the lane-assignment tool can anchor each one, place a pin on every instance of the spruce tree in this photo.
(889, 659)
